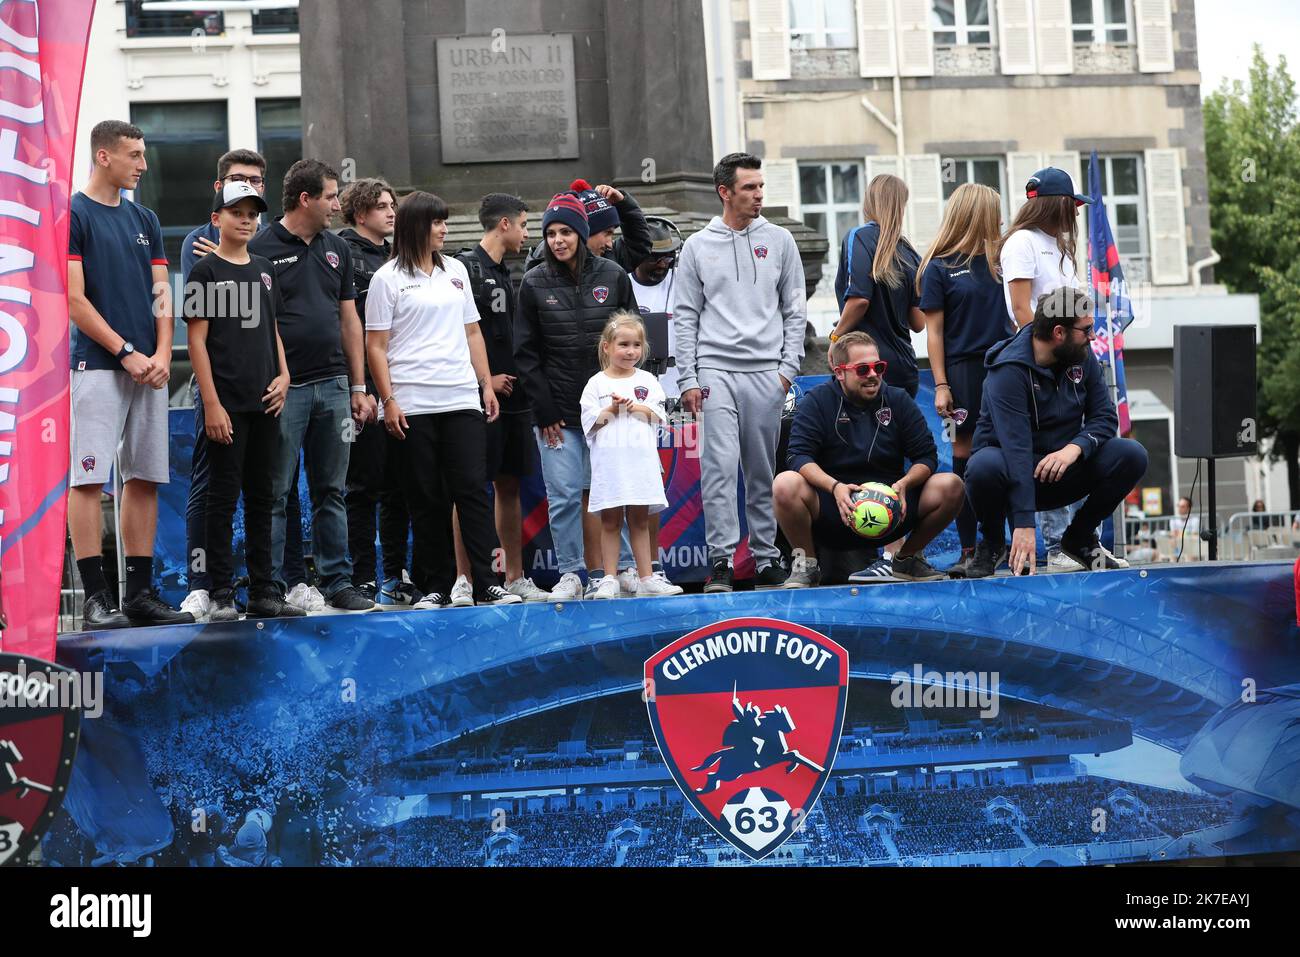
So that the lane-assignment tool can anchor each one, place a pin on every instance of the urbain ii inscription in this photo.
(505, 98)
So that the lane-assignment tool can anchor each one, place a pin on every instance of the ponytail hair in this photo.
(884, 205)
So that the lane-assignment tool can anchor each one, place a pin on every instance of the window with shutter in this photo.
(769, 35)
(1016, 36)
(1020, 166)
(830, 203)
(1165, 217)
(915, 44)
(781, 185)
(876, 45)
(925, 199)
(1155, 36)
(1052, 36)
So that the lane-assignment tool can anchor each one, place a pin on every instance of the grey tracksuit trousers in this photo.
(740, 424)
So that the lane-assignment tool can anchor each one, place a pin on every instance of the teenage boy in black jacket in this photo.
(847, 432)
(1047, 438)
(369, 207)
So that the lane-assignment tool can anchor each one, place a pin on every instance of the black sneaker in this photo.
(223, 607)
(1089, 552)
(348, 598)
(914, 568)
(496, 595)
(984, 562)
(719, 579)
(147, 608)
(273, 606)
(772, 576)
(367, 590)
(959, 570)
(98, 614)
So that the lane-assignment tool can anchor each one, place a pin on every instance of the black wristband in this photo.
(834, 487)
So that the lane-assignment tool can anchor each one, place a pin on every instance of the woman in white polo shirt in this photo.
(430, 367)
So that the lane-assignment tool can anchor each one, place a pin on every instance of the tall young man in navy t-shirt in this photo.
(121, 312)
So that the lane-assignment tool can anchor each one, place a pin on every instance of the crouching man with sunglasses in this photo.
(847, 432)
(1046, 438)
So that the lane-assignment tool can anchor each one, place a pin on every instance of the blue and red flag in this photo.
(1112, 307)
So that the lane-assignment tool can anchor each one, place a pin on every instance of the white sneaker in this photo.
(1060, 562)
(316, 601)
(568, 588)
(496, 595)
(527, 590)
(300, 597)
(607, 587)
(428, 602)
(462, 593)
(198, 603)
(629, 582)
(655, 587)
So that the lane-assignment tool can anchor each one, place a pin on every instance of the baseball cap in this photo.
(231, 193)
(1053, 182)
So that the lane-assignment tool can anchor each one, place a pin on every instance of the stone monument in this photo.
(466, 97)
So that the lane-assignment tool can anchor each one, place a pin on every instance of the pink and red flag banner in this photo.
(42, 56)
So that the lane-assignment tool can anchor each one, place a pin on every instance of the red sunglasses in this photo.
(864, 369)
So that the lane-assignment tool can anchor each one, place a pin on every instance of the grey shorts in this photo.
(114, 415)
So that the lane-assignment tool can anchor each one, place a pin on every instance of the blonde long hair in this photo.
(621, 319)
(970, 227)
(884, 204)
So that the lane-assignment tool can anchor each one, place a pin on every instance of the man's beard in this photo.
(1068, 354)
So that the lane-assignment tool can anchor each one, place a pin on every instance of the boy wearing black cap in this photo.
(231, 301)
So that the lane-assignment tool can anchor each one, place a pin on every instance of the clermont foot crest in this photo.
(38, 738)
(747, 714)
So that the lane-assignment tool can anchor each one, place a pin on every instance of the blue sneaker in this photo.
(398, 591)
(881, 570)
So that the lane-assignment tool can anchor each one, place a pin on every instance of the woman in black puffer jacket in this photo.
(563, 305)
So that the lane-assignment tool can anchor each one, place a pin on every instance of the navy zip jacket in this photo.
(1029, 411)
(860, 444)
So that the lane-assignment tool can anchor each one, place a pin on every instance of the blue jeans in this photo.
(1053, 523)
(567, 473)
(316, 420)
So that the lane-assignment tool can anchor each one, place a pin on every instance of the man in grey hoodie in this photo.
(740, 317)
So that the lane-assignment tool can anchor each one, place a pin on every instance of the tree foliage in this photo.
(1252, 144)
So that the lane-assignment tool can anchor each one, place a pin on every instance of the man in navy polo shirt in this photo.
(323, 344)
(121, 348)
(847, 432)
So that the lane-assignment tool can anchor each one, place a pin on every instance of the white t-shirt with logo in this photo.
(659, 298)
(425, 317)
(1032, 254)
(625, 451)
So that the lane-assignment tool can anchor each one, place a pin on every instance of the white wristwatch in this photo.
(354, 389)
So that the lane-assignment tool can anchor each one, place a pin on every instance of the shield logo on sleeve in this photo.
(40, 724)
(747, 714)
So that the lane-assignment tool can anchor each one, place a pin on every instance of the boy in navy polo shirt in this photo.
(847, 432)
(230, 304)
(121, 313)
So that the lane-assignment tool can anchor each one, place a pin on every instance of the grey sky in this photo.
(1226, 29)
